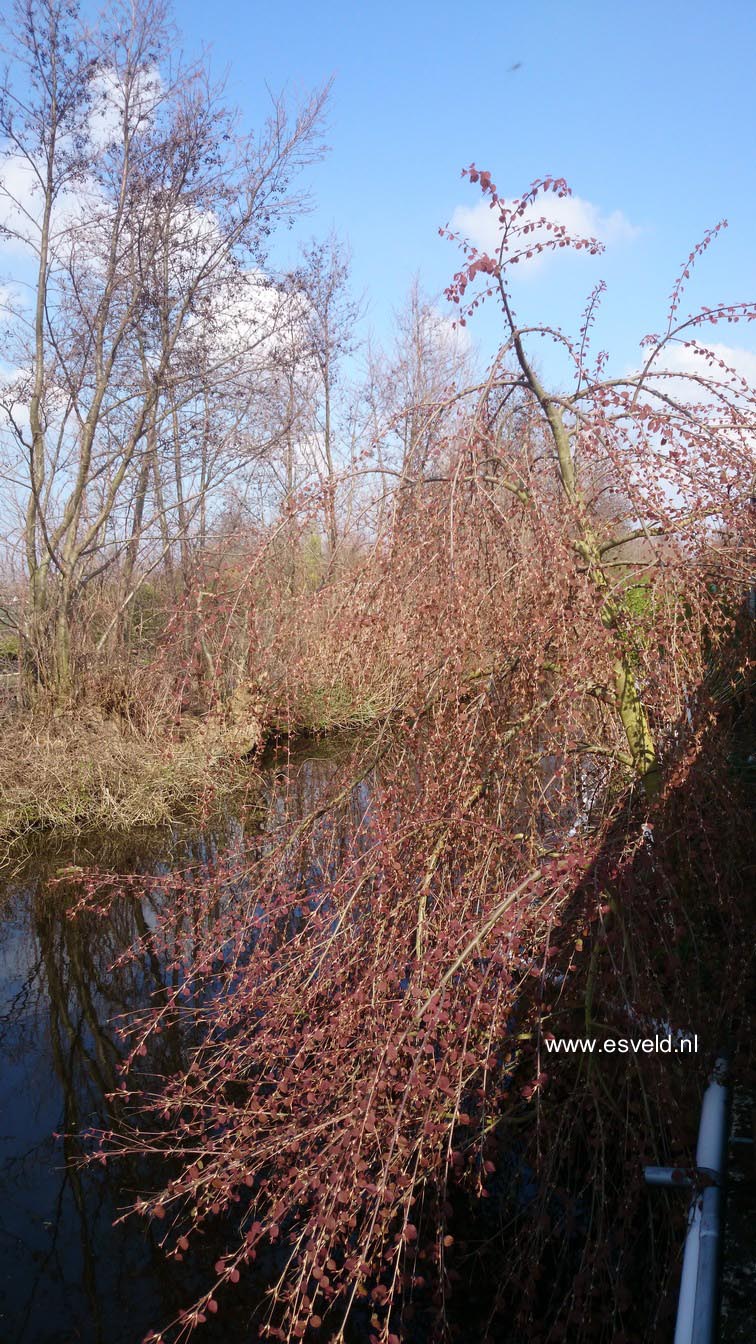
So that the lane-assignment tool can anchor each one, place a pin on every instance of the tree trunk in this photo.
(627, 696)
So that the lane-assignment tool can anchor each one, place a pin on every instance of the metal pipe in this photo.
(697, 1310)
(675, 1176)
(706, 1315)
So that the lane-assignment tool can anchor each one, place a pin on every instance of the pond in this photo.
(67, 1272)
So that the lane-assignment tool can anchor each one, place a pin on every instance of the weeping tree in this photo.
(661, 458)
(366, 1112)
(135, 208)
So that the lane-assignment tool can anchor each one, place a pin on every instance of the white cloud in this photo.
(22, 206)
(581, 218)
(678, 368)
(234, 321)
(685, 359)
(104, 122)
(76, 207)
(448, 334)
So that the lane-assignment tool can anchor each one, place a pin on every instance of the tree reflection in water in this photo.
(67, 1272)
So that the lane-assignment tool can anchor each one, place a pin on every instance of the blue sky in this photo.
(646, 108)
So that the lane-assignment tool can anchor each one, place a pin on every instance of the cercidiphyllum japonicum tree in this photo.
(140, 209)
(356, 1004)
(665, 456)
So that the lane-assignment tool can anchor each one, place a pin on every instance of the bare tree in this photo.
(329, 315)
(430, 361)
(142, 210)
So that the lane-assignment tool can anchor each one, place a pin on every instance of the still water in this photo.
(67, 1273)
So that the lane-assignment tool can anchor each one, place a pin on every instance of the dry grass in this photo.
(70, 776)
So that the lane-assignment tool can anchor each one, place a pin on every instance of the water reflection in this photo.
(67, 1272)
(62, 1259)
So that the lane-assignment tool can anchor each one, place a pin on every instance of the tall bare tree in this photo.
(141, 209)
(329, 314)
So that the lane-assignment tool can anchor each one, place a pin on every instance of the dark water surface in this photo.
(66, 1272)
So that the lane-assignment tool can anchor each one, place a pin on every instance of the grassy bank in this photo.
(83, 773)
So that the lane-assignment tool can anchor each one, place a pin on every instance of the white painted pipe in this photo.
(687, 1300)
(699, 1283)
